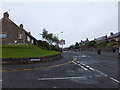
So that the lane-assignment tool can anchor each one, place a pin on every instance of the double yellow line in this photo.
(26, 69)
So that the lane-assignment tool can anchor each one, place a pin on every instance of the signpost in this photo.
(62, 42)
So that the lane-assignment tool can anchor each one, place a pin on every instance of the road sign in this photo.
(62, 42)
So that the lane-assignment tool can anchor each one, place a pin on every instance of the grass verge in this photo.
(19, 51)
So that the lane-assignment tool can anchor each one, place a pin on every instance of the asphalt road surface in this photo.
(74, 70)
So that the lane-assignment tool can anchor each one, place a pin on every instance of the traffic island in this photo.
(24, 54)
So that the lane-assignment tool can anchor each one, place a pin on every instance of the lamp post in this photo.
(61, 42)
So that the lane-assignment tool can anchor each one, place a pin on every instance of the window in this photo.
(3, 35)
(28, 38)
(20, 36)
(116, 39)
(32, 41)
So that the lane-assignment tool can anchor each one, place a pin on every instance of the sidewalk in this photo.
(111, 54)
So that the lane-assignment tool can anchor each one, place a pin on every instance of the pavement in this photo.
(75, 70)
(113, 54)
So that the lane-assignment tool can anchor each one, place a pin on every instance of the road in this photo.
(75, 70)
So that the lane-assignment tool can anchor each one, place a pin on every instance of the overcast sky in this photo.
(77, 20)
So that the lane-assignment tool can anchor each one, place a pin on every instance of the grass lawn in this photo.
(17, 51)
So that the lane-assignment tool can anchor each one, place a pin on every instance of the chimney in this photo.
(111, 33)
(87, 39)
(29, 32)
(6, 15)
(105, 36)
(21, 26)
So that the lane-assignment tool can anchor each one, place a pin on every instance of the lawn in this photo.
(18, 51)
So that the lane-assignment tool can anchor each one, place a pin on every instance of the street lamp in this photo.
(61, 42)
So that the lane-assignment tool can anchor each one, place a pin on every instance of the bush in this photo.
(91, 43)
(43, 44)
(55, 48)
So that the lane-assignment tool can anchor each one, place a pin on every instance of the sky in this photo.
(77, 20)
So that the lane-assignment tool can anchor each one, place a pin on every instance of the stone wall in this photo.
(27, 60)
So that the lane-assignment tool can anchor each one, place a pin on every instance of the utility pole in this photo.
(9, 11)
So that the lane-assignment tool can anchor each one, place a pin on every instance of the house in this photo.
(114, 37)
(11, 34)
(101, 39)
(84, 42)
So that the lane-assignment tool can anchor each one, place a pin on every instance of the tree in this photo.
(91, 43)
(55, 40)
(49, 38)
(43, 44)
(76, 44)
(44, 34)
(71, 47)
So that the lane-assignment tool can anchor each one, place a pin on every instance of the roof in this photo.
(19, 27)
(114, 35)
(101, 38)
(29, 35)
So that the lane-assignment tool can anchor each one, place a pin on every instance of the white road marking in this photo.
(0, 80)
(90, 76)
(85, 56)
(80, 65)
(101, 73)
(75, 56)
(60, 78)
(97, 76)
(77, 61)
(74, 62)
(86, 67)
(115, 80)
(81, 56)
(91, 68)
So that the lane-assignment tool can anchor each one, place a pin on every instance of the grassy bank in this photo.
(18, 51)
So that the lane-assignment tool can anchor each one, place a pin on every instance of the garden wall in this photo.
(27, 60)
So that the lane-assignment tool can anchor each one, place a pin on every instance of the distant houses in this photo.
(113, 37)
(101, 39)
(12, 34)
(84, 42)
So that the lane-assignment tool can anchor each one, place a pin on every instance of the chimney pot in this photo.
(29, 32)
(6, 15)
(21, 26)
(111, 33)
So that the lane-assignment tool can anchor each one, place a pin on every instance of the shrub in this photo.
(43, 44)
(55, 48)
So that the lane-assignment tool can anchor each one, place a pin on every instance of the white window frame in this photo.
(20, 36)
(28, 38)
(32, 41)
(3, 35)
